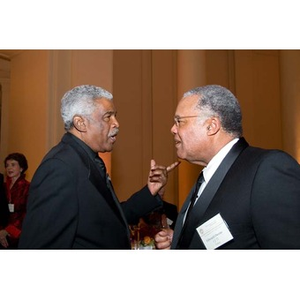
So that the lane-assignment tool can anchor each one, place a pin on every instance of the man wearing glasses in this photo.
(245, 197)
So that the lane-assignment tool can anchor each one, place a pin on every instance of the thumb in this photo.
(152, 164)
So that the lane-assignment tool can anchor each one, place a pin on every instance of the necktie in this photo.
(200, 180)
(105, 176)
(101, 166)
(103, 172)
(183, 241)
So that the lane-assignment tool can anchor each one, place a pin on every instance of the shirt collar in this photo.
(87, 149)
(213, 165)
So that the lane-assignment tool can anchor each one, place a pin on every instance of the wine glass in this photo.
(134, 236)
(164, 222)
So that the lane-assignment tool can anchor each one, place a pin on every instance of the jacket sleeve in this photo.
(51, 217)
(276, 202)
(140, 204)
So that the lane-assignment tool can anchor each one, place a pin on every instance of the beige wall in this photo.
(5, 94)
(254, 77)
(28, 111)
(38, 80)
(145, 96)
(290, 101)
(147, 86)
(192, 72)
(258, 89)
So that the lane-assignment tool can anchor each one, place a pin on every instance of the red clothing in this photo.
(18, 196)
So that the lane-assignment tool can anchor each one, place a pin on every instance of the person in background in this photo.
(71, 201)
(16, 188)
(166, 215)
(246, 197)
(143, 232)
(171, 212)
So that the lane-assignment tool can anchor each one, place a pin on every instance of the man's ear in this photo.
(213, 125)
(79, 123)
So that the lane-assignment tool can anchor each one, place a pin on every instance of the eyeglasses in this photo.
(178, 120)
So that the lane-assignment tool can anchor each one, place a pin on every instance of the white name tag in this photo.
(11, 207)
(214, 232)
(169, 222)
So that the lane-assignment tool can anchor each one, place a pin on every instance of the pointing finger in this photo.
(173, 166)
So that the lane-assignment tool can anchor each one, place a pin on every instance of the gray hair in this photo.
(218, 101)
(81, 101)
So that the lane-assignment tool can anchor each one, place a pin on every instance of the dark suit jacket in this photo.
(70, 206)
(4, 212)
(257, 193)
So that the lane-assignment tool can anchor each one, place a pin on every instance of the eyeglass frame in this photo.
(177, 119)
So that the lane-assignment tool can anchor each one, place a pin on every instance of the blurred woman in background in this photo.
(16, 188)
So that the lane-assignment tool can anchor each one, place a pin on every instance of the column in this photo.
(191, 72)
(290, 101)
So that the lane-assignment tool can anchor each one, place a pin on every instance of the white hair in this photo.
(81, 101)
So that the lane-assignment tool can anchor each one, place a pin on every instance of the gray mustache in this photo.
(114, 132)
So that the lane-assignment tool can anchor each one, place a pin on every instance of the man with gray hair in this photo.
(245, 197)
(71, 200)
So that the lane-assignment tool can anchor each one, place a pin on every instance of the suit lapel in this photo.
(179, 221)
(185, 235)
(108, 194)
(97, 180)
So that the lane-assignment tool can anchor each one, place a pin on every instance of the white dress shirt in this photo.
(213, 165)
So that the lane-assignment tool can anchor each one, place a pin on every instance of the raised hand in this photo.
(158, 176)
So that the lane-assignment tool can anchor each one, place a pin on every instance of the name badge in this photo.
(214, 232)
(11, 207)
(169, 222)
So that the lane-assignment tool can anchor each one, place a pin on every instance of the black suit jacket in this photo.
(70, 206)
(4, 212)
(257, 193)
